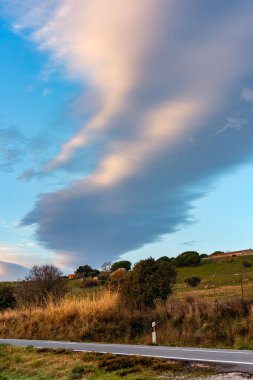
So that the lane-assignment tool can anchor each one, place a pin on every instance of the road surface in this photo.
(237, 359)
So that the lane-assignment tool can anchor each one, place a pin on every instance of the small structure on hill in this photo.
(222, 255)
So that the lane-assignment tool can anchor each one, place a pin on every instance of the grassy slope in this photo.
(218, 272)
(222, 274)
(43, 364)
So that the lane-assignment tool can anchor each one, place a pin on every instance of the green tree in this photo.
(187, 259)
(7, 298)
(149, 280)
(164, 258)
(86, 271)
(121, 264)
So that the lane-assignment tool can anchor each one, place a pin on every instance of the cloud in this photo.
(12, 146)
(164, 74)
(247, 95)
(12, 272)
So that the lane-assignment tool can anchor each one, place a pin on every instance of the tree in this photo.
(121, 264)
(193, 281)
(86, 271)
(106, 266)
(7, 299)
(186, 259)
(42, 283)
(149, 280)
(164, 258)
(203, 255)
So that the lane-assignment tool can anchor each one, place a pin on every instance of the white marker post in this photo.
(153, 333)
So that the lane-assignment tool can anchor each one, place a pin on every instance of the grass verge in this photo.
(43, 364)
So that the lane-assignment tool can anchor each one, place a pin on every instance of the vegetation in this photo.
(45, 364)
(149, 280)
(193, 281)
(121, 264)
(187, 259)
(105, 318)
(86, 271)
(42, 282)
(7, 298)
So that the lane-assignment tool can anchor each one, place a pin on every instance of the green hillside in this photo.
(217, 272)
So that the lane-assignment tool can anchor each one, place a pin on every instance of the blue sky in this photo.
(125, 130)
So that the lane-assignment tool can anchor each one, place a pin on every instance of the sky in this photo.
(125, 130)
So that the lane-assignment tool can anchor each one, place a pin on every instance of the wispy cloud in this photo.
(162, 74)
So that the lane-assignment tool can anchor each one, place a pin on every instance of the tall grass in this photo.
(103, 318)
(69, 319)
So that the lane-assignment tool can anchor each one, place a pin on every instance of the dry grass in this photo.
(102, 318)
(224, 292)
(70, 319)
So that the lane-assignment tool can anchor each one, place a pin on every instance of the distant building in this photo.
(219, 255)
(71, 276)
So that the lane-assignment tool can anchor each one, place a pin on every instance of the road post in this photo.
(153, 333)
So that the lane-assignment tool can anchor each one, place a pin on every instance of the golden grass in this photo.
(103, 318)
(70, 319)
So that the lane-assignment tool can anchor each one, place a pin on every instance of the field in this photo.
(220, 279)
(44, 364)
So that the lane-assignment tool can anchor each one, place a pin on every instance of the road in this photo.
(241, 360)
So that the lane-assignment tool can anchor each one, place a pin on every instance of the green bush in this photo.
(187, 259)
(149, 280)
(193, 281)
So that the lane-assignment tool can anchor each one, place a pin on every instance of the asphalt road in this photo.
(241, 360)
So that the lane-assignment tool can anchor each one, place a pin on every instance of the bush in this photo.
(7, 299)
(90, 283)
(149, 280)
(187, 259)
(86, 271)
(193, 281)
(247, 264)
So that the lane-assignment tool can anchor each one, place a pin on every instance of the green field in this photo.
(218, 272)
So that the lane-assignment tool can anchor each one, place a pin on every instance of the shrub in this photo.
(186, 259)
(90, 283)
(86, 271)
(7, 299)
(247, 264)
(193, 281)
(149, 280)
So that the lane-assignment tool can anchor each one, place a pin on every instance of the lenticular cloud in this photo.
(161, 75)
